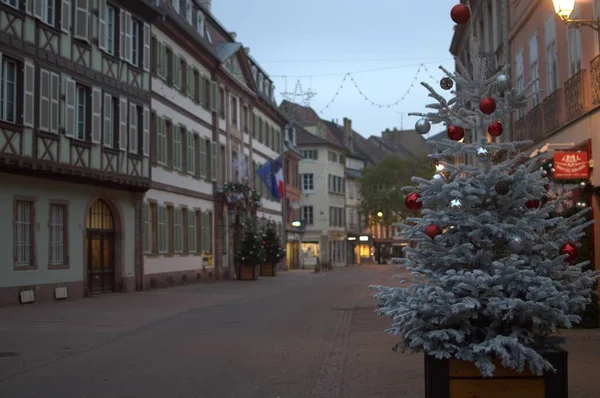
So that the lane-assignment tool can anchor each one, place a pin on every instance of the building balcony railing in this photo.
(595, 77)
(575, 96)
(560, 107)
(552, 112)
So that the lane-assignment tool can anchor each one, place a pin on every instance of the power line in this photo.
(355, 72)
(336, 61)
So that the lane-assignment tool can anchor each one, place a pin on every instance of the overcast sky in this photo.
(380, 42)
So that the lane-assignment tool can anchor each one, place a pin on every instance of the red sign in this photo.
(571, 165)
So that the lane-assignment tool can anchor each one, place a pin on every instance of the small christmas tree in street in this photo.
(495, 273)
(273, 248)
(251, 253)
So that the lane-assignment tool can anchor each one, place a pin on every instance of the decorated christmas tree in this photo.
(251, 251)
(495, 273)
(272, 246)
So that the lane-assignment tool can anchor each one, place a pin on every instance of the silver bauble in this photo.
(516, 245)
(483, 155)
(422, 126)
(503, 82)
(456, 204)
(439, 177)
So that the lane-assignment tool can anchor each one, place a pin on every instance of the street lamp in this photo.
(564, 9)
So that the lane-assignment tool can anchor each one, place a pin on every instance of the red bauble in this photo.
(487, 105)
(412, 202)
(432, 230)
(532, 204)
(570, 250)
(456, 133)
(495, 129)
(460, 14)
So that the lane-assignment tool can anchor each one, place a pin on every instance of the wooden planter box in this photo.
(268, 270)
(451, 378)
(248, 272)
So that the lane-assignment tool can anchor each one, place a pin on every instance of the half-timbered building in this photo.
(74, 146)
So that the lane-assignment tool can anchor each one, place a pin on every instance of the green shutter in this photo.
(203, 160)
(213, 95)
(255, 130)
(213, 160)
(144, 229)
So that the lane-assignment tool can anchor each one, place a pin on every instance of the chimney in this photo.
(348, 136)
(247, 50)
(233, 35)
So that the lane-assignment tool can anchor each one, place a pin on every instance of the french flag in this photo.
(271, 174)
(277, 184)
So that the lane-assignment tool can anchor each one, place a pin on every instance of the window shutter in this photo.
(191, 152)
(102, 33)
(145, 211)
(128, 37)
(70, 108)
(65, 16)
(29, 6)
(82, 15)
(122, 28)
(133, 128)
(108, 122)
(203, 159)
(96, 115)
(146, 132)
(176, 67)
(256, 126)
(213, 160)
(123, 124)
(213, 95)
(44, 120)
(28, 92)
(38, 7)
(146, 52)
(54, 102)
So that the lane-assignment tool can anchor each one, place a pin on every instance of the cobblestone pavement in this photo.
(297, 335)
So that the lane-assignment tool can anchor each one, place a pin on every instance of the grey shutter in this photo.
(102, 32)
(44, 116)
(28, 92)
(146, 52)
(108, 120)
(70, 108)
(123, 123)
(128, 37)
(146, 132)
(122, 44)
(133, 128)
(54, 102)
(96, 115)
(65, 16)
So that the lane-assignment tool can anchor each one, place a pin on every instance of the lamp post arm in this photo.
(577, 23)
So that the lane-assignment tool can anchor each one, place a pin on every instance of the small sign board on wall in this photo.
(571, 165)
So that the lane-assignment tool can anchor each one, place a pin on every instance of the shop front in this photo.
(292, 250)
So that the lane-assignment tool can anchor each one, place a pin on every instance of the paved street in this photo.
(296, 335)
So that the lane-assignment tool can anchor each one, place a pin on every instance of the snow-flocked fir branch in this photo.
(494, 283)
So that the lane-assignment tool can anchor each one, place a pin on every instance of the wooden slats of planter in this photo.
(458, 379)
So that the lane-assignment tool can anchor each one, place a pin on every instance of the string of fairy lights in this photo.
(349, 77)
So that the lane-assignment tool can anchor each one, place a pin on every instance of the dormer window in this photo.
(272, 91)
(254, 73)
(260, 82)
(200, 23)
